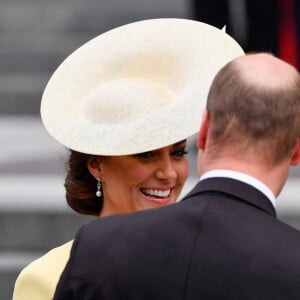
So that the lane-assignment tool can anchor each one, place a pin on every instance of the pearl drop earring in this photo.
(98, 193)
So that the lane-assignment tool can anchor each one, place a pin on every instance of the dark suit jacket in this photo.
(222, 241)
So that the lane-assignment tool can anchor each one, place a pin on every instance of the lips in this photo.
(161, 194)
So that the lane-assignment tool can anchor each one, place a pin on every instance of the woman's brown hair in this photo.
(81, 186)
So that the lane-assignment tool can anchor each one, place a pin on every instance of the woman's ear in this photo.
(295, 159)
(202, 136)
(93, 165)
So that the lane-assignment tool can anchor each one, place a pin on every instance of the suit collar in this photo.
(246, 178)
(235, 188)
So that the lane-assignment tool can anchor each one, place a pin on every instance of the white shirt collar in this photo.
(244, 178)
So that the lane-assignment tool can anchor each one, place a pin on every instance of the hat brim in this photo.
(178, 58)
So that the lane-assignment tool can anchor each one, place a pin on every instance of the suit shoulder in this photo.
(172, 215)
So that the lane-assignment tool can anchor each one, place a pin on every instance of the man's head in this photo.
(253, 111)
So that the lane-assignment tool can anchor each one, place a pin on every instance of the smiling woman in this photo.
(125, 113)
(141, 181)
(126, 182)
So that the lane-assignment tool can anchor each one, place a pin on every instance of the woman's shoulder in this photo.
(39, 279)
(58, 254)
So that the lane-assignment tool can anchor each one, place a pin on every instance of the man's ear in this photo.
(202, 136)
(295, 159)
(93, 165)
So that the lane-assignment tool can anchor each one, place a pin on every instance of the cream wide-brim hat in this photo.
(135, 88)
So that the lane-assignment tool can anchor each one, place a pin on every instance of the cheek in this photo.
(138, 175)
(126, 177)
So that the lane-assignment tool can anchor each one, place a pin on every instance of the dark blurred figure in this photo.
(297, 21)
(288, 38)
(258, 25)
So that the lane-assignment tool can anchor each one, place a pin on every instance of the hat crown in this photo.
(124, 100)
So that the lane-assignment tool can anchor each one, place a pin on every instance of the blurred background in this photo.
(35, 36)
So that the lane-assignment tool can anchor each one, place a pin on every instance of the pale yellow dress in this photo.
(39, 279)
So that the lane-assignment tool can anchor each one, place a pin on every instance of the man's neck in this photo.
(273, 177)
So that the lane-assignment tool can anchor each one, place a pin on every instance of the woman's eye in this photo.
(148, 154)
(179, 152)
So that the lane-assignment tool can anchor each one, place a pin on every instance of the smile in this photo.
(156, 193)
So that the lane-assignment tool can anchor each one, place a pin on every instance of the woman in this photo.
(125, 102)
(125, 183)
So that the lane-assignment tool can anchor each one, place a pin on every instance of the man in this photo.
(223, 240)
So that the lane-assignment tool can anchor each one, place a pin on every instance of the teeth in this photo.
(157, 193)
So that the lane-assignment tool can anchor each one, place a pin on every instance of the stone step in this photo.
(7, 282)
(38, 231)
(22, 82)
(83, 16)
(52, 43)
(14, 59)
(21, 92)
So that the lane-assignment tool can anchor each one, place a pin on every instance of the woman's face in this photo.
(141, 181)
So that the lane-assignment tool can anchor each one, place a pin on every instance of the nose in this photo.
(166, 169)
